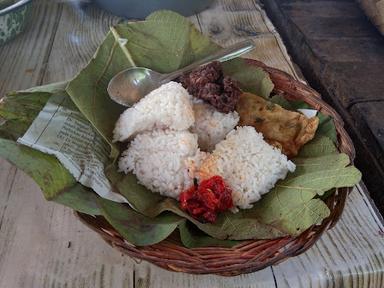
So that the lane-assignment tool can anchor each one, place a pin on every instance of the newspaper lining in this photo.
(61, 130)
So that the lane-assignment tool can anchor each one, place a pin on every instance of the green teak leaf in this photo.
(89, 88)
(228, 226)
(327, 127)
(54, 180)
(192, 237)
(79, 198)
(280, 100)
(311, 164)
(301, 217)
(166, 41)
(251, 78)
(142, 199)
(318, 146)
(137, 228)
(18, 110)
(47, 172)
(238, 226)
(323, 180)
(147, 43)
(290, 206)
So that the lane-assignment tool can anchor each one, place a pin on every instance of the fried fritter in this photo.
(284, 129)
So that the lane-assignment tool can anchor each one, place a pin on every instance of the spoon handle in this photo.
(222, 55)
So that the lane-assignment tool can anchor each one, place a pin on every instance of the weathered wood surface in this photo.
(341, 54)
(375, 10)
(23, 62)
(43, 245)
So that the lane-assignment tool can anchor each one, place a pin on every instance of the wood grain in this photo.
(48, 254)
(343, 64)
(230, 21)
(23, 60)
(350, 255)
(43, 245)
(79, 34)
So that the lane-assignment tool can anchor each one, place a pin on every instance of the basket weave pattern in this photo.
(252, 255)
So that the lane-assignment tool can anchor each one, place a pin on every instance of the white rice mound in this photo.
(160, 160)
(249, 165)
(211, 125)
(168, 106)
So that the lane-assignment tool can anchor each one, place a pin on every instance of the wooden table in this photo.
(42, 244)
(344, 63)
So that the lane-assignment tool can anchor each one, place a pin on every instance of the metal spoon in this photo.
(130, 85)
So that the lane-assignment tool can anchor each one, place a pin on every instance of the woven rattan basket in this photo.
(248, 256)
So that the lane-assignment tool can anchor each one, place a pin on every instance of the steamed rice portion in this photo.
(249, 165)
(168, 106)
(212, 126)
(160, 160)
(165, 155)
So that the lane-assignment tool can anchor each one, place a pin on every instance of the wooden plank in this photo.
(7, 177)
(344, 69)
(230, 21)
(148, 275)
(349, 255)
(368, 118)
(375, 10)
(23, 60)
(21, 67)
(79, 34)
(42, 244)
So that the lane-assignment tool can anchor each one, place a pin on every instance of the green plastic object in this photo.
(13, 16)
(139, 9)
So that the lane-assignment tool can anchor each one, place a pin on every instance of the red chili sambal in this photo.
(205, 200)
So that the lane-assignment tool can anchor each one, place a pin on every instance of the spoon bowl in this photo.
(132, 84)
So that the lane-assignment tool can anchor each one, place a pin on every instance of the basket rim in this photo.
(250, 255)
